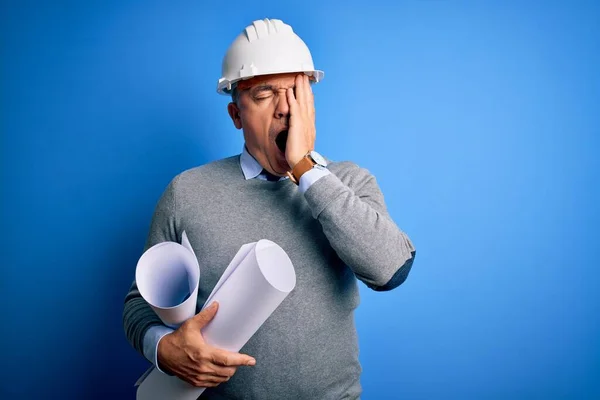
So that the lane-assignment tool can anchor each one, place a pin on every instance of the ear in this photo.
(234, 113)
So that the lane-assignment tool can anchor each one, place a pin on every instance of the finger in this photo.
(292, 102)
(229, 359)
(203, 383)
(212, 369)
(208, 368)
(300, 88)
(305, 91)
(223, 372)
(310, 100)
(210, 377)
(206, 315)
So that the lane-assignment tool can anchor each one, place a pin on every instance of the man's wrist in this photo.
(308, 161)
(158, 346)
(311, 177)
(295, 159)
(152, 339)
(300, 169)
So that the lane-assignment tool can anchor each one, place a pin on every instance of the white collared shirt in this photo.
(252, 169)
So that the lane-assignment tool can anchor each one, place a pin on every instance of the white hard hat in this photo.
(268, 46)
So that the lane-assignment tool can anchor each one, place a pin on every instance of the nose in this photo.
(282, 109)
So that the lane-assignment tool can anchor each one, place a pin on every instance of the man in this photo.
(329, 218)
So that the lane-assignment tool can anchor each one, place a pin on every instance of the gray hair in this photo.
(235, 95)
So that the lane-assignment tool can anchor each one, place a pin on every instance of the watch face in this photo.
(318, 158)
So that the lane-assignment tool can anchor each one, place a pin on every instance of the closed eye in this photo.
(263, 97)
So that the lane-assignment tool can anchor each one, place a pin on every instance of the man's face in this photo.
(263, 112)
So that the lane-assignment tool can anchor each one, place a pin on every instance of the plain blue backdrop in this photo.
(480, 120)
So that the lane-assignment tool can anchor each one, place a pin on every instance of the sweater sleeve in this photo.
(138, 316)
(350, 207)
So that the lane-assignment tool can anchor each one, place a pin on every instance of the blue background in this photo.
(481, 121)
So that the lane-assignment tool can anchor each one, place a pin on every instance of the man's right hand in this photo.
(185, 354)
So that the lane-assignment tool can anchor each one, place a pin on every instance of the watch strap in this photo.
(303, 166)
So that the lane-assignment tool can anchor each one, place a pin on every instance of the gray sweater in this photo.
(337, 231)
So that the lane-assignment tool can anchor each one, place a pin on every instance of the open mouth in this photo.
(281, 140)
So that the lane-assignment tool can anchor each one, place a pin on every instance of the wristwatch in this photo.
(306, 164)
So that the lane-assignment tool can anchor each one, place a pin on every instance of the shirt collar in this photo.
(250, 167)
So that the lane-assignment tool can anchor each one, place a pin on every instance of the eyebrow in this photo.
(264, 88)
(261, 88)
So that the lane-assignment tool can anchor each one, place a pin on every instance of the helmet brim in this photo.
(226, 87)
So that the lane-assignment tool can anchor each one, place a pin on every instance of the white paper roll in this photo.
(261, 281)
(257, 280)
(167, 276)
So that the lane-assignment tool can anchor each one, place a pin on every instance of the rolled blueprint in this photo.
(167, 276)
(255, 283)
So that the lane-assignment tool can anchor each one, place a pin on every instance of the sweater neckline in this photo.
(264, 182)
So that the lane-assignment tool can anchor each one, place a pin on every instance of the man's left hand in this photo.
(302, 131)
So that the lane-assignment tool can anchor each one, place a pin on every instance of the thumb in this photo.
(206, 315)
